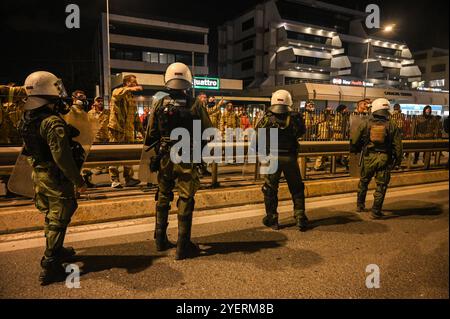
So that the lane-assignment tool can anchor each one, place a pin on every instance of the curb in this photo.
(12, 220)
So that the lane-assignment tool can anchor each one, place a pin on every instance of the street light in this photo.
(389, 28)
(107, 85)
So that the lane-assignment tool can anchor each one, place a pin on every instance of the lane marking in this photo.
(15, 242)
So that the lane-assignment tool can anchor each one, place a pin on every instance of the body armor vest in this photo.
(378, 135)
(29, 129)
(287, 141)
(177, 113)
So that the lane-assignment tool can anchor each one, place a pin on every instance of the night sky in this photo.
(34, 36)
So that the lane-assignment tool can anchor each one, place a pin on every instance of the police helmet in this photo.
(178, 77)
(281, 102)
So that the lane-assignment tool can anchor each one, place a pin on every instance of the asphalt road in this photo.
(242, 259)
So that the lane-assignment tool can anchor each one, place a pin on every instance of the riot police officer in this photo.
(177, 110)
(290, 128)
(379, 140)
(56, 167)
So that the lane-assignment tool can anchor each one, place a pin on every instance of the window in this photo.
(438, 68)
(170, 58)
(146, 56)
(163, 58)
(154, 57)
(437, 83)
(306, 37)
(247, 45)
(248, 24)
(247, 65)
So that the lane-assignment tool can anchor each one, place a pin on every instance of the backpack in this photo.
(378, 132)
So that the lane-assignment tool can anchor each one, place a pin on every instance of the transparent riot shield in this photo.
(145, 174)
(355, 159)
(21, 182)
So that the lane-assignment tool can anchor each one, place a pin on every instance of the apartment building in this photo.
(282, 42)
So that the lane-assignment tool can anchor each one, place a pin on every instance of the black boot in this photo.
(185, 248)
(360, 208)
(301, 220)
(161, 240)
(65, 253)
(377, 214)
(271, 205)
(271, 221)
(52, 271)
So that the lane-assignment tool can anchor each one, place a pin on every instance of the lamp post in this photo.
(107, 86)
(367, 67)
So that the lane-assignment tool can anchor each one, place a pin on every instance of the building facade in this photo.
(433, 64)
(149, 46)
(283, 42)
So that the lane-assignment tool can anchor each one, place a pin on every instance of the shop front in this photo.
(332, 95)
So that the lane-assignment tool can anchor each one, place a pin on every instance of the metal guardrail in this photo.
(131, 153)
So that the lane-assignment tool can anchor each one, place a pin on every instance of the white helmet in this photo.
(178, 76)
(280, 102)
(40, 86)
(380, 104)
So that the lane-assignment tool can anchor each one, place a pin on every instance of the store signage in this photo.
(431, 89)
(339, 81)
(397, 93)
(206, 83)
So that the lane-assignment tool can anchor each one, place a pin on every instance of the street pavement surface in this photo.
(240, 258)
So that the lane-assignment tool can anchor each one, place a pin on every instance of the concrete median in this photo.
(17, 219)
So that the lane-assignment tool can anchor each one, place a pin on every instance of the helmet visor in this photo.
(61, 89)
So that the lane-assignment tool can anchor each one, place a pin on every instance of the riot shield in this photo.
(145, 175)
(355, 159)
(21, 182)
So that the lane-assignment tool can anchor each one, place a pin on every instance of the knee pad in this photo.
(187, 204)
(57, 228)
(269, 191)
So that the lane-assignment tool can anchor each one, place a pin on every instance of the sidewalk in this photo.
(17, 219)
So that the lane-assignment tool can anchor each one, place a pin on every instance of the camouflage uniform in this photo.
(10, 113)
(229, 119)
(377, 159)
(340, 127)
(325, 120)
(290, 128)
(56, 171)
(166, 117)
(311, 121)
(214, 114)
(426, 127)
(103, 118)
(121, 125)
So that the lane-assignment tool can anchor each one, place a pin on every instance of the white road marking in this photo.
(35, 239)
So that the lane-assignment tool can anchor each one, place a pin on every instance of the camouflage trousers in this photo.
(58, 213)
(374, 165)
(120, 137)
(185, 177)
(289, 167)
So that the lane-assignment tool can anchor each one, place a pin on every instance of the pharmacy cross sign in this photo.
(206, 83)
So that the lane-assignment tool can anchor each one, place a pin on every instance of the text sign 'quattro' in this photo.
(206, 83)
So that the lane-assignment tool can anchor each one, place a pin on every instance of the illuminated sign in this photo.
(339, 81)
(206, 83)
(431, 89)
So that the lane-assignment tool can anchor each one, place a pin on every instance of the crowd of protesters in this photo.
(121, 122)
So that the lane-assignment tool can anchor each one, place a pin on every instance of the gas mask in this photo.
(82, 103)
(61, 106)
